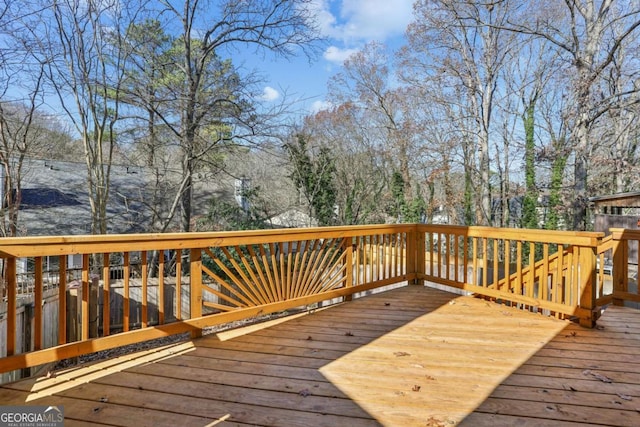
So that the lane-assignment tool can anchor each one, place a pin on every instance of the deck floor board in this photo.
(411, 356)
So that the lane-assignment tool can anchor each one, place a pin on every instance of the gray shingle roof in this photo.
(55, 198)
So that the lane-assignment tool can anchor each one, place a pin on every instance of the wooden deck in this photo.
(412, 356)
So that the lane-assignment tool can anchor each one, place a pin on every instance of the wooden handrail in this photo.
(238, 275)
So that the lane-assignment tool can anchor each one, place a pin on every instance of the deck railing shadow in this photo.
(413, 355)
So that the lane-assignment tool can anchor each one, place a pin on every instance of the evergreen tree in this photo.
(529, 211)
(314, 178)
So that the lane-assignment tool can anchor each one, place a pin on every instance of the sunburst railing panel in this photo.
(251, 275)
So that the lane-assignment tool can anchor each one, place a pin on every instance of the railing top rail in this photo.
(625, 234)
(579, 238)
(64, 245)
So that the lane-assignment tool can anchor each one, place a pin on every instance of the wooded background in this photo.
(503, 113)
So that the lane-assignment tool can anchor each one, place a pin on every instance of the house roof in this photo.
(55, 198)
(623, 200)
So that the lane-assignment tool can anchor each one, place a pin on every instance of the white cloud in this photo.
(270, 94)
(318, 106)
(336, 54)
(357, 21)
(323, 16)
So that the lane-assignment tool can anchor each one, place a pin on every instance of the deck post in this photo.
(587, 263)
(620, 268)
(195, 281)
(416, 255)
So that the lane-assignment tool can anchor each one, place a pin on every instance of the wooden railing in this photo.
(188, 282)
(219, 277)
(538, 270)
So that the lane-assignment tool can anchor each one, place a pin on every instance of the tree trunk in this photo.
(580, 177)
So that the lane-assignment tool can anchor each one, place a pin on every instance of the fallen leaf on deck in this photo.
(416, 388)
(597, 376)
(434, 422)
(624, 396)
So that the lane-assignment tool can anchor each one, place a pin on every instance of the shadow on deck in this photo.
(412, 356)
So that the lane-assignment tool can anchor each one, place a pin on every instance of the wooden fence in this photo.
(239, 275)
(25, 325)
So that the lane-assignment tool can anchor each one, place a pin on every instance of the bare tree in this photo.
(590, 35)
(20, 136)
(449, 46)
(23, 128)
(360, 175)
(207, 103)
(85, 69)
(621, 126)
(367, 83)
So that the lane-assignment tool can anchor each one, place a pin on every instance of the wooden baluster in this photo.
(179, 284)
(12, 284)
(161, 287)
(85, 297)
(456, 259)
(447, 256)
(544, 277)
(431, 253)
(145, 289)
(496, 264)
(559, 281)
(532, 270)
(347, 246)
(485, 263)
(507, 266)
(195, 281)
(37, 304)
(106, 303)
(62, 300)
(125, 291)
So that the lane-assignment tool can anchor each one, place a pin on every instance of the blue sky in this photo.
(348, 25)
